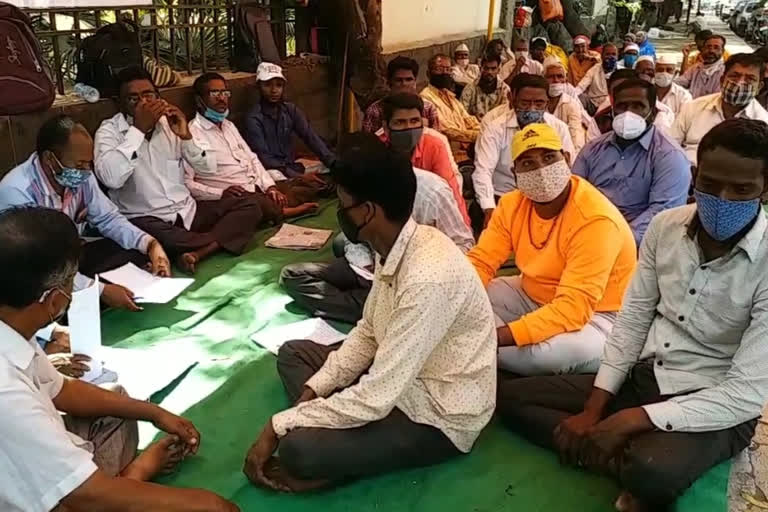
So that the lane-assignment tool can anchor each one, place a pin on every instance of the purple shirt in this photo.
(701, 80)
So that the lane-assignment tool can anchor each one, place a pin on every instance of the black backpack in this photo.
(253, 39)
(103, 55)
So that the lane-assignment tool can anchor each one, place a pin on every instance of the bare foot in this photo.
(274, 471)
(158, 458)
(628, 503)
(294, 211)
(187, 262)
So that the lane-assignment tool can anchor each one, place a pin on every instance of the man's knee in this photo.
(291, 353)
(652, 480)
(300, 456)
(512, 395)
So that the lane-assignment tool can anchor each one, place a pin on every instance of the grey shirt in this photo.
(706, 324)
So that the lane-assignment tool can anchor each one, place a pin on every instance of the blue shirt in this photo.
(647, 48)
(647, 177)
(269, 132)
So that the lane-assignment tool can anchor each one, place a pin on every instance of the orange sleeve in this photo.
(590, 257)
(441, 165)
(496, 241)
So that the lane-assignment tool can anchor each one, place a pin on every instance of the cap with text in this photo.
(267, 71)
(535, 136)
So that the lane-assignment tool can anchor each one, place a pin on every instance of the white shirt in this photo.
(676, 98)
(493, 158)
(702, 114)
(426, 345)
(594, 84)
(467, 75)
(147, 177)
(40, 462)
(531, 66)
(570, 111)
(229, 156)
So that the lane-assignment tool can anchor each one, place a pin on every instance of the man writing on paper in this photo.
(59, 175)
(86, 458)
(424, 352)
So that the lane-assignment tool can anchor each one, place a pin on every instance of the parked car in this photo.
(741, 23)
(725, 11)
(737, 9)
(757, 28)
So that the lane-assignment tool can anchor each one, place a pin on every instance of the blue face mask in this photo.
(69, 177)
(609, 64)
(721, 218)
(629, 61)
(214, 115)
(526, 117)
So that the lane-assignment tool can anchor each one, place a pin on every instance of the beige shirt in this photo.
(428, 336)
(229, 157)
(699, 116)
(570, 111)
(676, 98)
(594, 84)
(455, 121)
(531, 66)
(478, 103)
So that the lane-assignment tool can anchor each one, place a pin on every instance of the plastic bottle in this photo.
(88, 93)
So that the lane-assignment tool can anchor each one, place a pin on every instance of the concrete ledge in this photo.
(439, 41)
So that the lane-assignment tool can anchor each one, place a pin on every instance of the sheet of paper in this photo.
(295, 237)
(146, 287)
(85, 327)
(315, 329)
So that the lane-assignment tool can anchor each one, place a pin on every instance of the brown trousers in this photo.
(104, 254)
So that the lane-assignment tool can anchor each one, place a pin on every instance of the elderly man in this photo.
(668, 92)
(487, 92)
(402, 74)
(636, 166)
(85, 458)
(703, 78)
(594, 85)
(565, 106)
(581, 60)
(644, 44)
(646, 68)
(523, 63)
(463, 72)
(742, 79)
(59, 175)
(576, 255)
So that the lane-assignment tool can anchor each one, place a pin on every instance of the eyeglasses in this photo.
(133, 99)
(220, 94)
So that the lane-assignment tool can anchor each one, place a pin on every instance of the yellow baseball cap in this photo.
(535, 136)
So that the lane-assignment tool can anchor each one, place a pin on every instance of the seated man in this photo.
(663, 119)
(238, 170)
(704, 78)
(667, 91)
(566, 107)
(337, 290)
(402, 74)
(463, 72)
(488, 91)
(494, 176)
(593, 88)
(682, 380)
(85, 459)
(522, 63)
(690, 59)
(59, 175)
(581, 60)
(576, 255)
(414, 383)
(742, 79)
(629, 56)
(646, 68)
(636, 166)
(272, 122)
(139, 158)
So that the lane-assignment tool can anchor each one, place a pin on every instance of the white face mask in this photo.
(462, 62)
(629, 125)
(663, 79)
(545, 184)
(521, 53)
(556, 90)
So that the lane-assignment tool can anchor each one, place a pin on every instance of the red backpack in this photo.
(25, 78)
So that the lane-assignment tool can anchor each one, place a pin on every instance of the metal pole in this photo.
(342, 91)
(491, 12)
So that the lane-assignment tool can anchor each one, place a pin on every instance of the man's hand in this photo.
(307, 395)
(177, 121)
(487, 214)
(116, 296)
(147, 114)
(505, 336)
(687, 50)
(70, 365)
(277, 197)
(234, 191)
(607, 438)
(178, 426)
(519, 63)
(570, 434)
(258, 455)
(158, 260)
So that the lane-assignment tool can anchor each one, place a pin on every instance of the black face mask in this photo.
(347, 225)
(442, 81)
(487, 83)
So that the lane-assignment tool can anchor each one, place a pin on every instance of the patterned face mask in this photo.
(526, 117)
(721, 218)
(545, 184)
(738, 94)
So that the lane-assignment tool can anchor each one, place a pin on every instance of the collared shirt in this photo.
(704, 322)
(478, 103)
(643, 179)
(374, 117)
(232, 160)
(455, 121)
(467, 75)
(426, 342)
(570, 111)
(40, 461)
(702, 80)
(493, 174)
(531, 66)
(699, 116)
(676, 98)
(594, 84)
(269, 131)
(584, 268)
(146, 177)
(577, 69)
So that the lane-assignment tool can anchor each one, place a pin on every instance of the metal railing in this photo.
(194, 37)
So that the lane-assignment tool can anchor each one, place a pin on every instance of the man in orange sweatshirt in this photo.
(576, 254)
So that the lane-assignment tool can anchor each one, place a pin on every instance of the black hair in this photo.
(762, 53)
(399, 63)
(40, 249)
(202, 81)
(528, 80)
(745, 137)
(491, 57)
(703, 35)
(622, 74)
(638, 83)
(494, 42)
(370, 171)
(131, 74)
(714, 36)
(433, 59)
(403, 100)
(748, 60)
(539, 42)
(54, 133)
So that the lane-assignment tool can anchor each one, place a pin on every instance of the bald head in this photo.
(62, 139)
